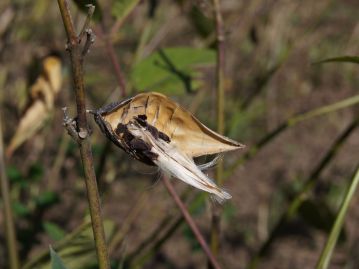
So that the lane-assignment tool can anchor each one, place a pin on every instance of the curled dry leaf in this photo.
(157, 131)
(42, 97)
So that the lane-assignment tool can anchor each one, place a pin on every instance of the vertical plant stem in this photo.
(76, 56)
(326, 254)
(216, 210)
(191, 223)
(8, 216)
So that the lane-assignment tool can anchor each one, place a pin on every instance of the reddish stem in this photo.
(191, 222)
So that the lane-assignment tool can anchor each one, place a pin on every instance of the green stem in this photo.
(338, 224)
(216, 211)
(324, 110)
(76, 56)
(8, 216)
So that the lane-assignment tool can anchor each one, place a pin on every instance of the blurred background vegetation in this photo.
(287, 185)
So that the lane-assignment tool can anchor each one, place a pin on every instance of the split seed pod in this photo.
(157, 131)
(41, 102)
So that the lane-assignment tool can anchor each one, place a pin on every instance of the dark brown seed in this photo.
(142, 120)
(142, 117)
(139, 145)
(121, 128)
(164, 137)
(151, 155)
(127, 137)
(153, 130)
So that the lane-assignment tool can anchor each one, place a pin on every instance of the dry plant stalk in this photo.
(157, 131)
(79, 130)
(8, 219)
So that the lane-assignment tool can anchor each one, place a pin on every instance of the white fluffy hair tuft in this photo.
(175, 163)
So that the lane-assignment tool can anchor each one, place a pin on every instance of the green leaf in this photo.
(36, 172)
(121, 8)
(343, 59)
(204, 25)
(20, 209)
(171, 70)
(229, 211)
(318, 215)
(56, 262)
(46, 198)
(14, 174)
(82, 5)
(54, 231)
(188, 235)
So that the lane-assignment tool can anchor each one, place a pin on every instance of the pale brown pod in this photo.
(157, 131)
(184, 130)
(42, 95)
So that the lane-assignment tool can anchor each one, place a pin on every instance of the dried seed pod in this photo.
(157, 131)
(42, 98)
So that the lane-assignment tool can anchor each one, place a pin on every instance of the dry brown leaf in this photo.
(42, 93)
(157, 131)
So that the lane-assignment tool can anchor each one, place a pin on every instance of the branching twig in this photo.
(90, 39)
(191, 223)
(90, 11)
(76, 55)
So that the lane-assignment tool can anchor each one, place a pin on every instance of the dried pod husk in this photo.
(41, 103)
(157, 131)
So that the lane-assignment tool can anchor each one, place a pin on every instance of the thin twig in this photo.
(191, 222)
(90, 39)
(90, 11)
(8, 216)
(75, 51)
(216, 210)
